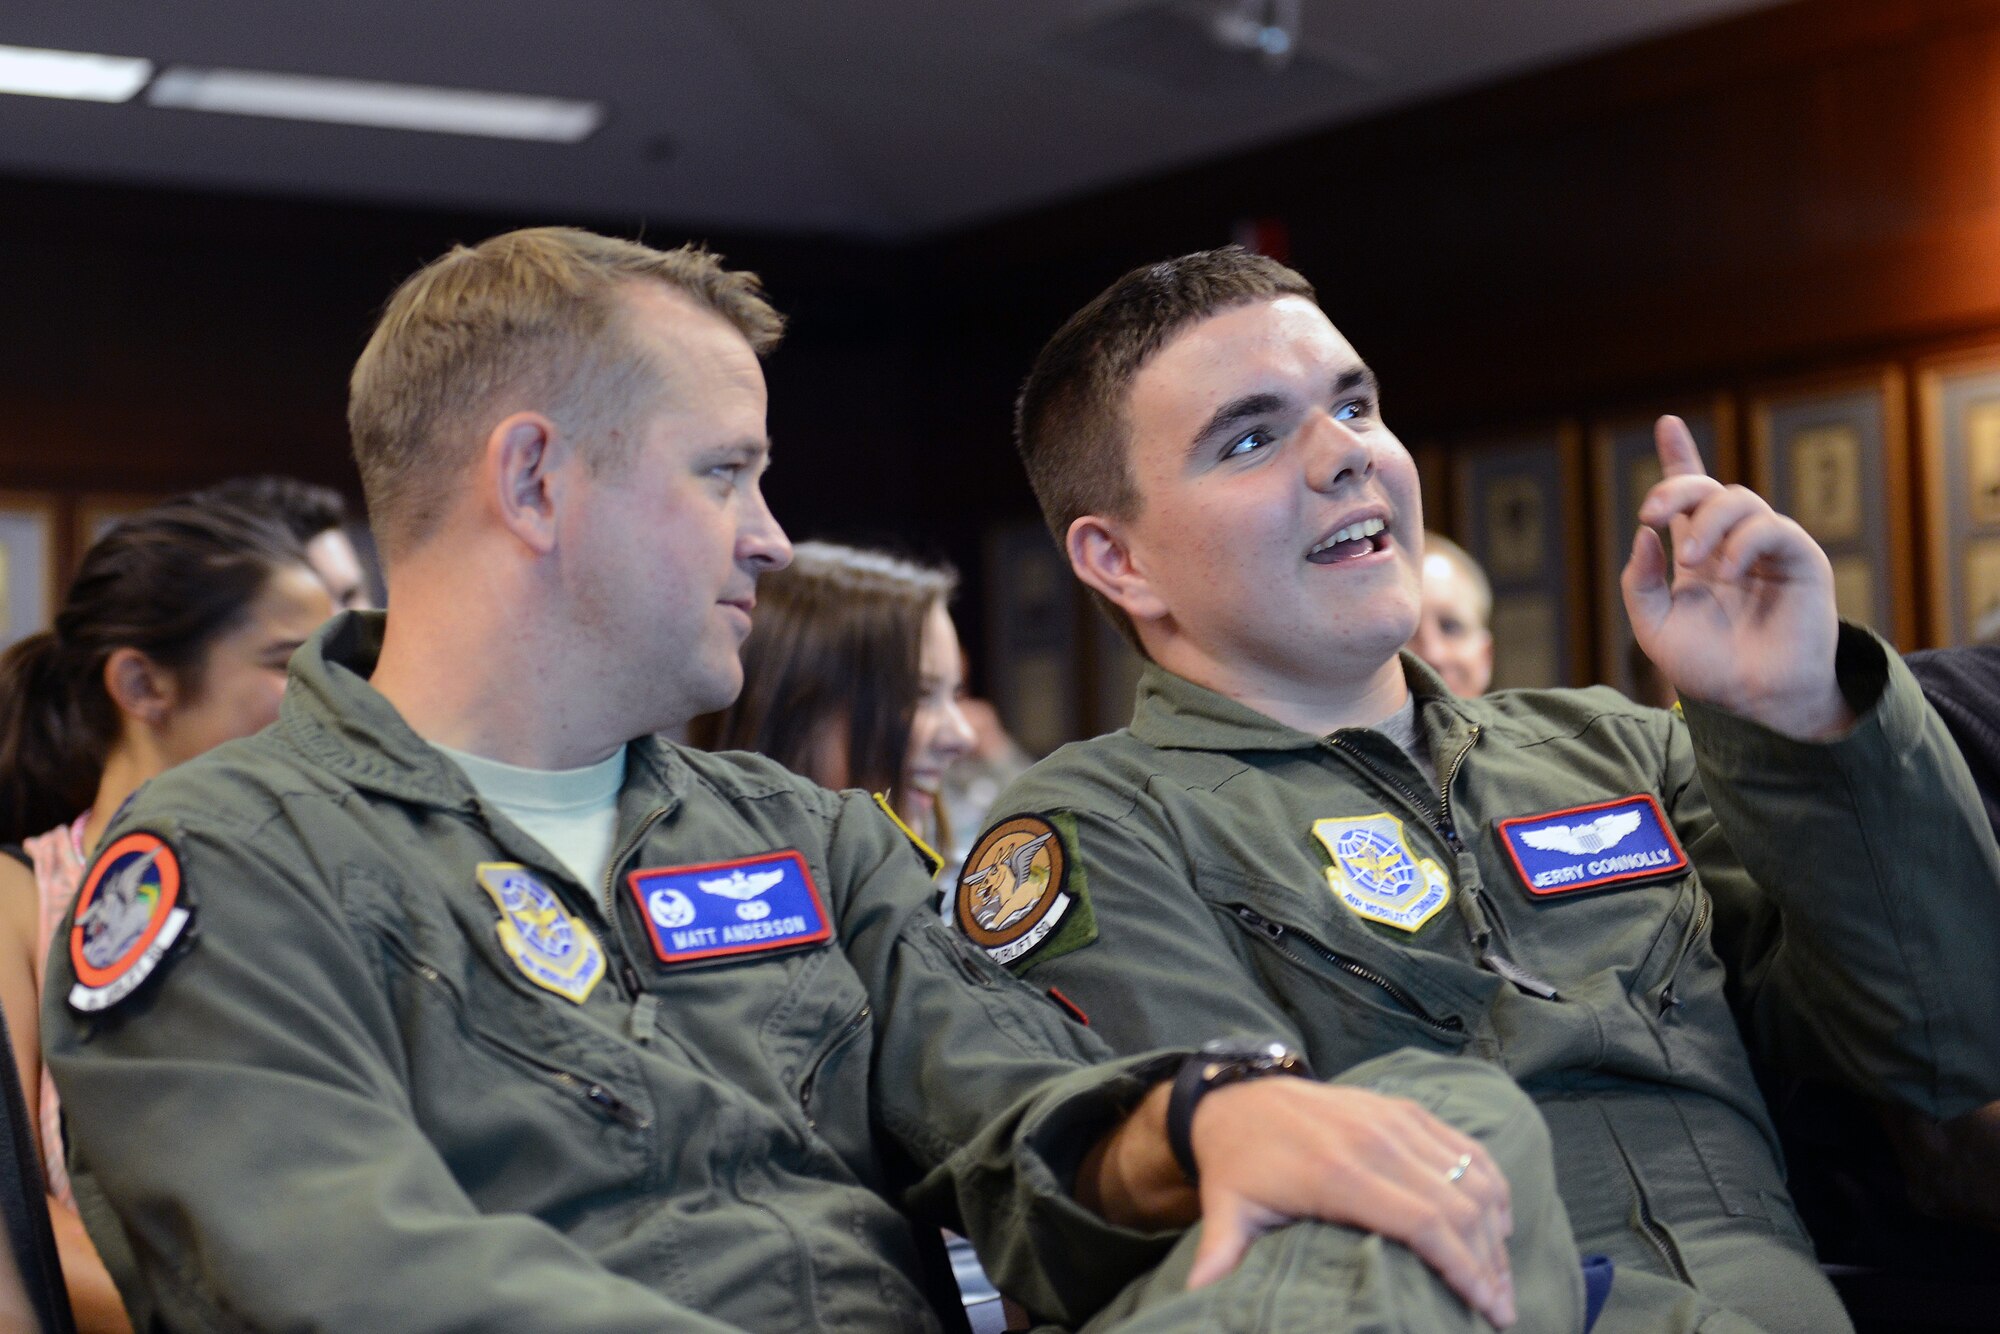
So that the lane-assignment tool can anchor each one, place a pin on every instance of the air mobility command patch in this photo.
(1591, 847)
(1022, 892)
(129, 915)
(1376, 875)
(751, 905)
(550, 945)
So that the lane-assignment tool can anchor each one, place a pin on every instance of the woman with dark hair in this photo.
(173, 639)
(851, 677)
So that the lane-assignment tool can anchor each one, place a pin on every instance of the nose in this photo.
(955, 738)
(1338, 455)
(761, 544)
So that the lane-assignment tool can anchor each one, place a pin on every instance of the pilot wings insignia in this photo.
(1591, 847)
(739, 886)
(1606, 831)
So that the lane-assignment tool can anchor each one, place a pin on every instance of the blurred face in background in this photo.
(235, 687)
(338, 565)
(939, 732)
(1452, 637)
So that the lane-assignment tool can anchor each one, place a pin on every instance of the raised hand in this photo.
(1745, 619)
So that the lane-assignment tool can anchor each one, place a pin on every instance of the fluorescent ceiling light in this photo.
(401, 106)
(92, 78)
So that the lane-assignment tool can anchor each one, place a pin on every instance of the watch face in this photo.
(1244, 1049)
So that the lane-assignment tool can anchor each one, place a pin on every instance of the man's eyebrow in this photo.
(1233, 414)
(1360, 377)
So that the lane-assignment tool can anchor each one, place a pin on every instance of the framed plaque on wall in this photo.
(1518, 510)
(1832, 454)
(1626, 465)
(1032, 660)
(29, 568)
(1958, 411)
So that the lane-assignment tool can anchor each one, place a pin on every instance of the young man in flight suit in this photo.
(1303, 832)
(459, 1000)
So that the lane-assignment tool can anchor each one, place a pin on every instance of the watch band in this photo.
(1218, 1064)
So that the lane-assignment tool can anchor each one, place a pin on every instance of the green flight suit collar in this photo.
(341, 722)
(1173, 713)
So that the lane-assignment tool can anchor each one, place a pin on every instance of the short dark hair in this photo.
(1070, 422)
(835, 644)
(305, 508)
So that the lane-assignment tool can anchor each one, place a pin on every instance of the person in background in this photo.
(172, 640)
(851, 677)
(317, 517)
(1458, 601)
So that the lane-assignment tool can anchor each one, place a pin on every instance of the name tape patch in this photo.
(747, 906)
(1590, 847)
(129, 914)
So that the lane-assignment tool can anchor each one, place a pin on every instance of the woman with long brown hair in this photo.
(172, 639)
(851, 677)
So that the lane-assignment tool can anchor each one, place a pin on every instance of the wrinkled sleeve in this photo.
(247, 1117)
(993, 1092)
(1856, 888)
(1165, 958)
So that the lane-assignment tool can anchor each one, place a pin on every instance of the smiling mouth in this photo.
(1360, 538)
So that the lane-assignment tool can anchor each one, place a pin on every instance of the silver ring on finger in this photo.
(1459, 1169)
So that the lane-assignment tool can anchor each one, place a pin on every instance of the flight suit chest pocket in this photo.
(1350, 994)
(530, 1104)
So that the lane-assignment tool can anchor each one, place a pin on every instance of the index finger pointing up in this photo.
(1678, 455)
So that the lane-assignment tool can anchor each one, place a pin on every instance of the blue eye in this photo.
(1254, 440)
(1352, 408)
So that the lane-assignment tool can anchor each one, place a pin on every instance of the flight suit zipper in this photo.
(846, 1035)
(1651, 1228)
(1669, 997)
(1491, 955)
(1277, 933)
(589, 1090)
(628, 976)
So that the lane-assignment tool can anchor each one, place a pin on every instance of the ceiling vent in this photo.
(1237, 48)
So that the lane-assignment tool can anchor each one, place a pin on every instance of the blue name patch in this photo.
(747, 906)
(1589, 847)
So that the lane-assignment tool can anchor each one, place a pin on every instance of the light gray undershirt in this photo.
(1401, 728)
(571, 812)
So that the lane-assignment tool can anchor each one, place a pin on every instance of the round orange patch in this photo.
(132, 896)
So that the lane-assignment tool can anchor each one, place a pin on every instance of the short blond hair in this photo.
(528, 319)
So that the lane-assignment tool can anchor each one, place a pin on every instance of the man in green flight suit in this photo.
(1304, 832)
(458, 999)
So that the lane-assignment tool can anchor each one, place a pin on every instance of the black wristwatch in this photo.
(1223, 1061)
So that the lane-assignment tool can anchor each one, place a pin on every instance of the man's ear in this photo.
(520, 462)
(139, 686)
(1102, 557)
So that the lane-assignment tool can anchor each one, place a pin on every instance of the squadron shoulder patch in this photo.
(1014, 890)
(751, 905)
(129, 915)
(1376, 875)
(1590, 847)
(549, 944)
